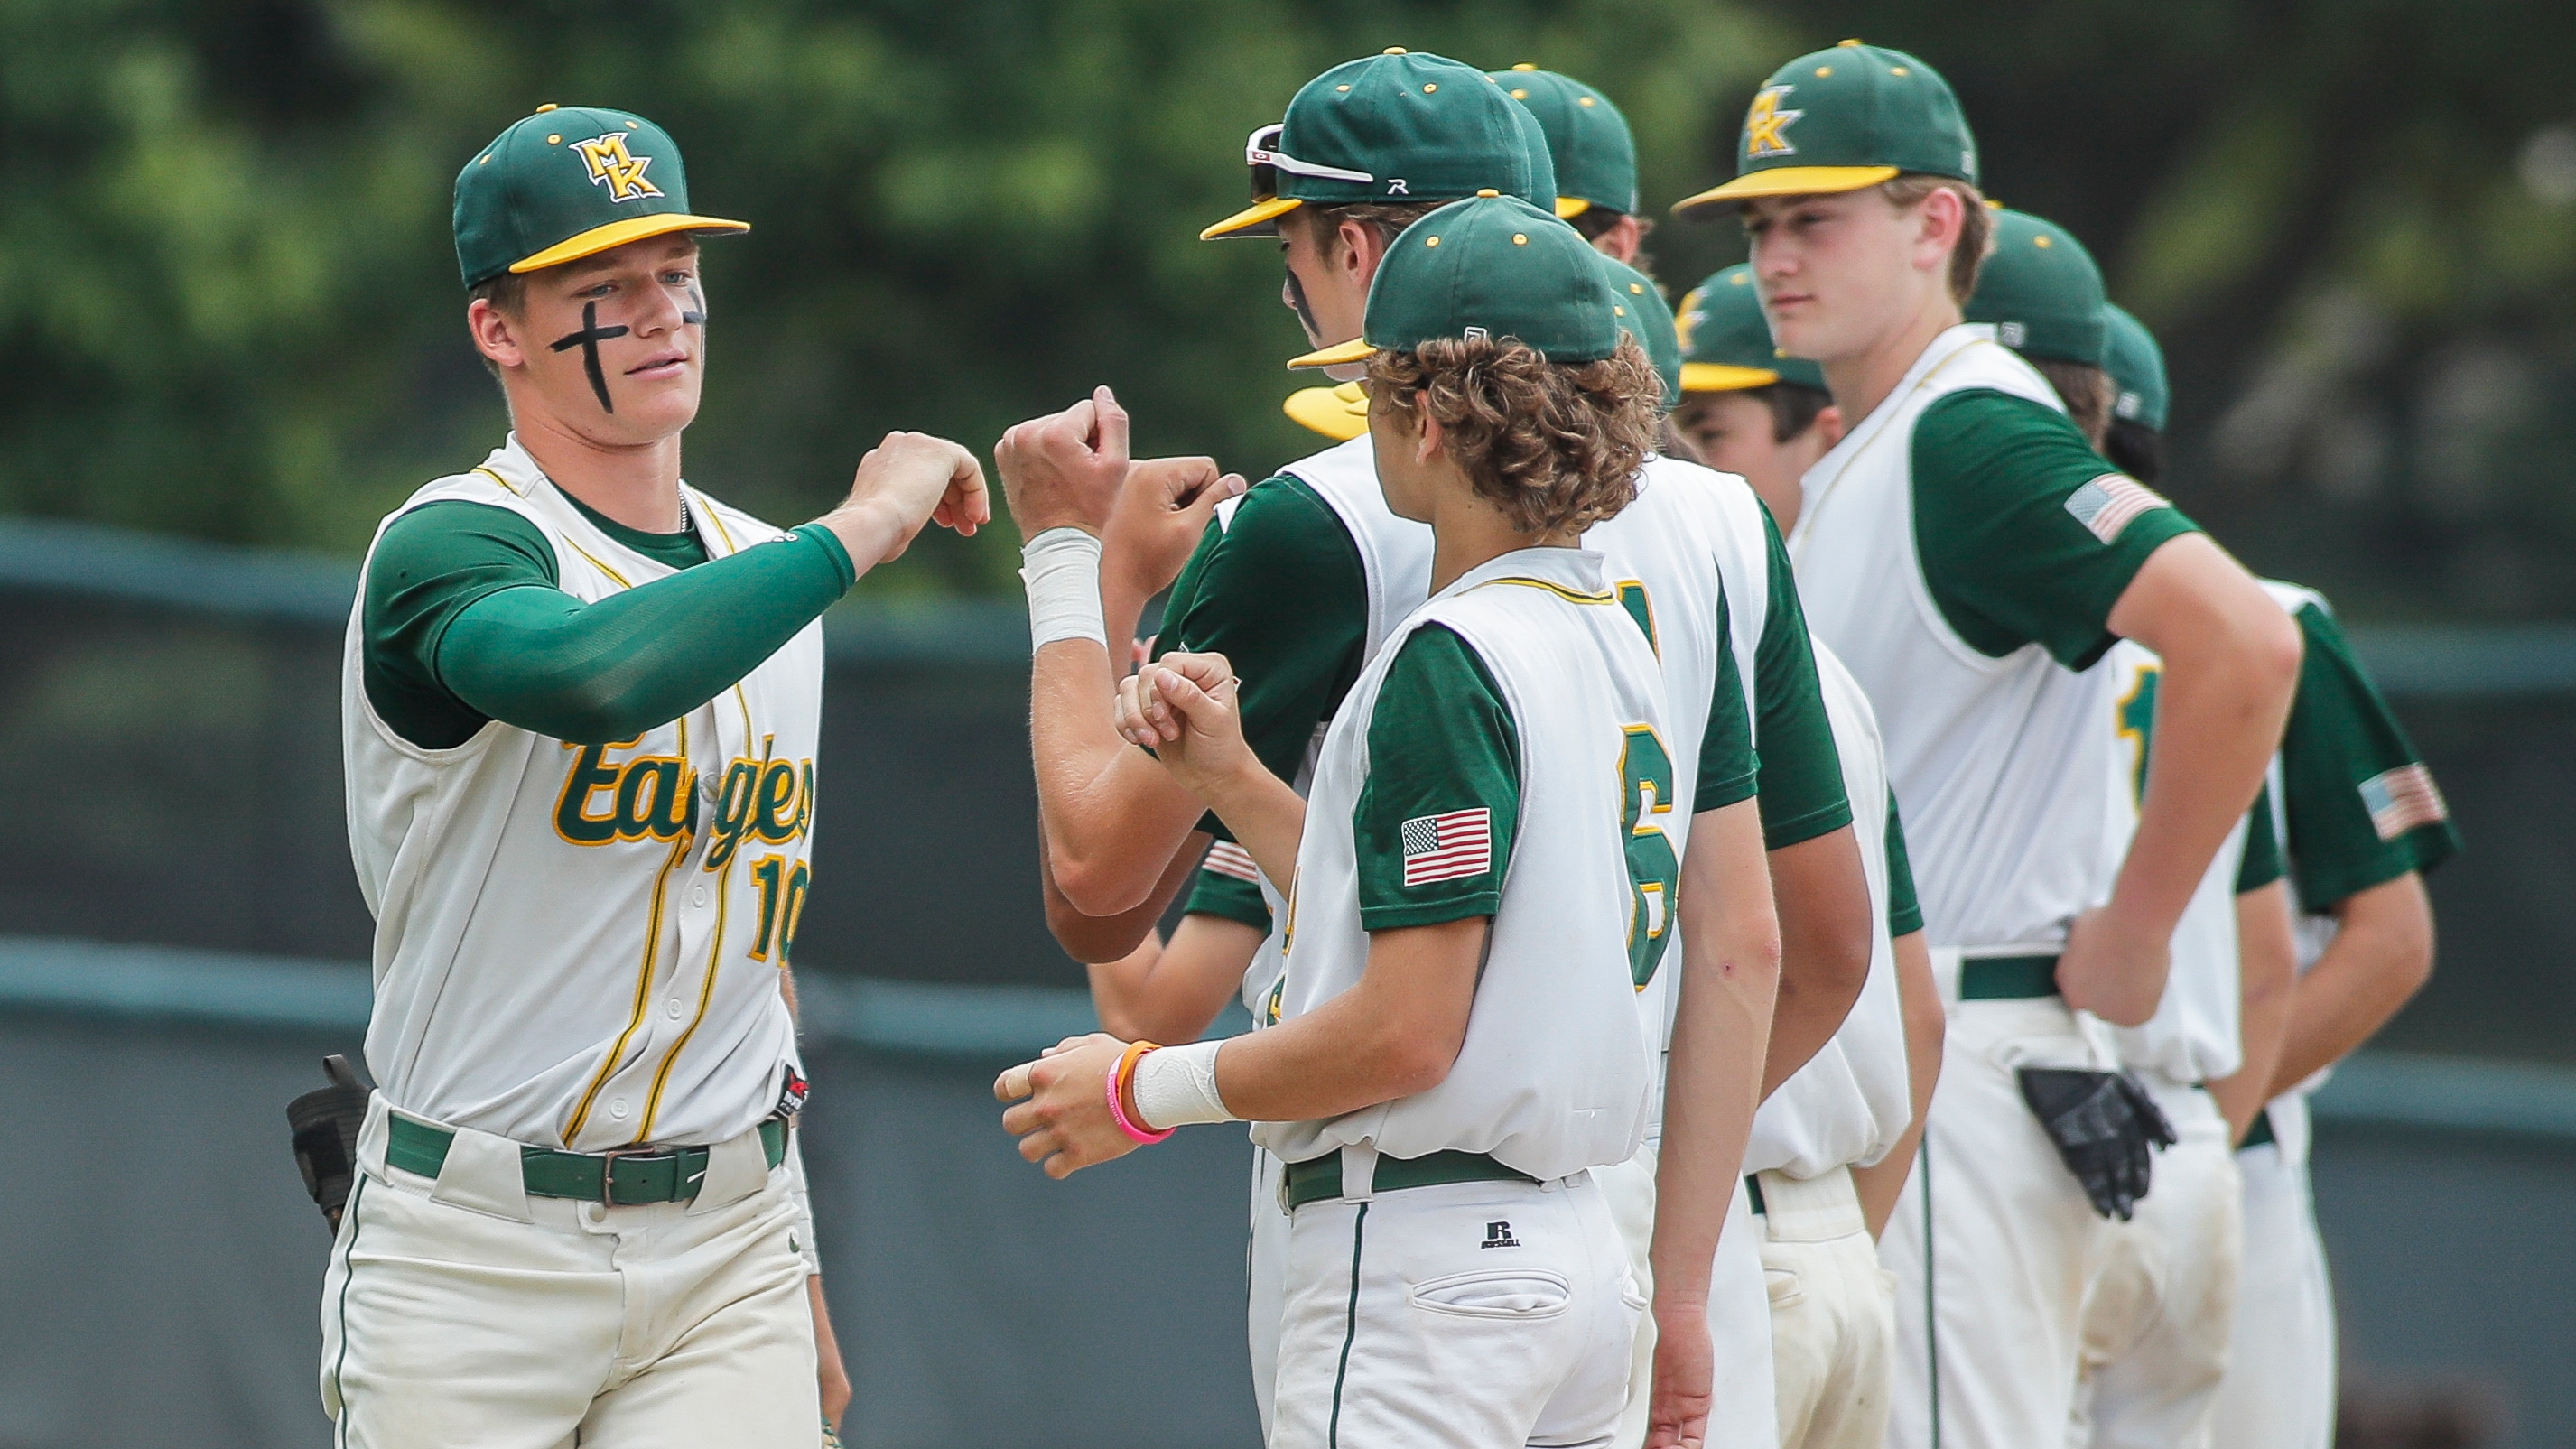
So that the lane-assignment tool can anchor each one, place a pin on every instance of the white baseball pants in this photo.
(461, 1311)
(1472, 1315)
(2161, 1306)
(1739, 1314)
(1833, 1312)
(1990, 1243)
(2279, 1392)
(1265, 1281)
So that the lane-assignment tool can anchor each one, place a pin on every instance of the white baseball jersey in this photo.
(1692, 538)
(1981, 749)
(2194, 1035)
(1556, 1068)
(579, 946)
(1854, 1099)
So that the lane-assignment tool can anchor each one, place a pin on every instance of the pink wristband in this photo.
(1118, 1108)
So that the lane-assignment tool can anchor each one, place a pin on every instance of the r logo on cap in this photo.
(610, 165)
(1766, 125)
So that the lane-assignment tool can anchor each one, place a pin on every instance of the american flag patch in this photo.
(1447, 847)
(2106, 504)
(1229, 859)
(2403, 799)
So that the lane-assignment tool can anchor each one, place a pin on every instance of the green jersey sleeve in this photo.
(1801, 772)
(2025, 534)
(1280, 593)
(2262, 861)
(1225, 886)
(1904, 912)
(2362, 808)
(432, 564)
(1434, 824)
(1727, 764)
(463, 623)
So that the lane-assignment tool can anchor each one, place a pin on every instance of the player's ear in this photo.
(1428, 443)
(1829, 426)
(495, 333)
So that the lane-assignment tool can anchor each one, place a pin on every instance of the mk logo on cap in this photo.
(611, 166)
(1766, 125)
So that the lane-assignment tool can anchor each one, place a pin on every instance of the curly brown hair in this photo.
(1555, 445)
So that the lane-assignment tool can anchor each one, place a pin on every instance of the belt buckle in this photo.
(608, 1172)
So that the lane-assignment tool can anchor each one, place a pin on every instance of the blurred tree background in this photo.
(229, 304)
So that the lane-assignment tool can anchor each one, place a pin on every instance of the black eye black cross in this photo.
(588, 340)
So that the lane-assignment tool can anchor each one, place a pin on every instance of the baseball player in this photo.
(2159, 1309)
(1309, 570)
(1968, 556)
(2160, 1304)
(1481, 886)
(2362, 821)
(1594, 154)
(1831, 1149)
(579, 710)
(1745, 408)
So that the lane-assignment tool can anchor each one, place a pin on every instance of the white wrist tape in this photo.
(1177, 1085)
(1061, 570)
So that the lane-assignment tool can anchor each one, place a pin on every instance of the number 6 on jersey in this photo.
(1654, 871)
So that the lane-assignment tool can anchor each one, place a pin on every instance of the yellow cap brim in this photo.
(1788, 181)
(1724, 377)
(1358, 349)
(618, 233)
(1329, 411)
(1570, 207)
(1252, 216)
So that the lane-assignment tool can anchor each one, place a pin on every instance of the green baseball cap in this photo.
(1644, 316)
(2137, 368)
(1398, 126)
(1842, 119)
(1492, 266)
(567, 183)
(1726, 339)
(2041, 290)
(1588, 141)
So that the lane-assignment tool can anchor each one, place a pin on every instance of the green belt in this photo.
(619, 1179)
(2007, 978)
(1753, 1193)
(2260, 1134)
(1319, 1178)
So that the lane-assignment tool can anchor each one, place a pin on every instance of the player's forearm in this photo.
(2231, 664)
(2381, 956)
(595, 672)
(1120, 607)
(1730, 969)
(1825, 929)
(1094, 939)
(1926, 1028)
(1267, 816)
(2267, 965)
(1394, 1034)
(1111, 816)
(1171, 991)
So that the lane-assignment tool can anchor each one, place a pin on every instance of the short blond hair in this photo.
(1976, 223)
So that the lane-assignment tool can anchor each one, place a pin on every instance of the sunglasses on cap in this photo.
(1267, 161)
